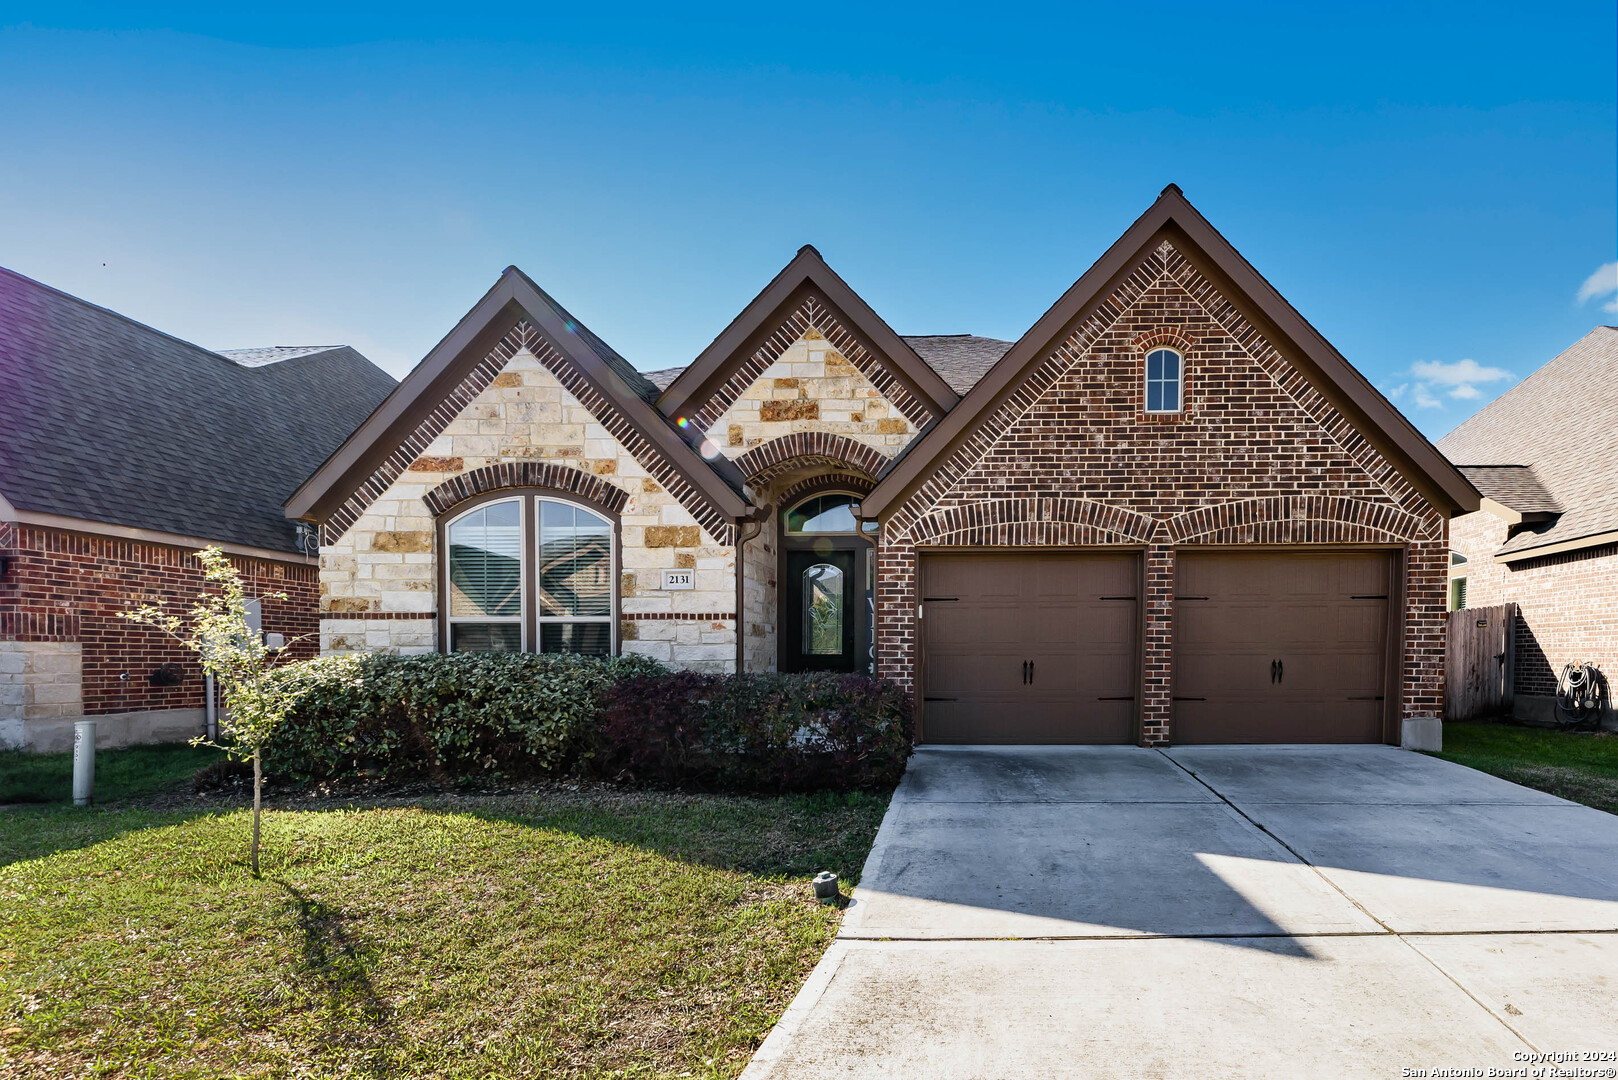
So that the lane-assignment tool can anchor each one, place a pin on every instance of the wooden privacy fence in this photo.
(1479, 661)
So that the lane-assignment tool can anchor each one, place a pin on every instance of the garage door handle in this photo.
(1280, 672)
(1272, 672)
(1025, 673)
(1030, 673)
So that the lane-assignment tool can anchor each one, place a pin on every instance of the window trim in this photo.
(529, 499)
(521, 618)
(1146, 381)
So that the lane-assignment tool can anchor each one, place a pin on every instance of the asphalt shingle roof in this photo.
(105, 419)
(1515, 486)
(962, 359)
(1560, 421)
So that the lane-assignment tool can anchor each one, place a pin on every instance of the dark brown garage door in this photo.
(1280, 647)
(1029, 648)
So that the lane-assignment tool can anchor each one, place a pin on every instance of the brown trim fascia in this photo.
(513, 297)
(701, 474)
(1433, 470)
(1522, 554)
(763, 314)
(148, 536)
(399, 412)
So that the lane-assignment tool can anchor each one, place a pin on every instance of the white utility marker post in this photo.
(84, 762)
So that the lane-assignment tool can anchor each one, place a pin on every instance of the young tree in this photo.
(217, 630)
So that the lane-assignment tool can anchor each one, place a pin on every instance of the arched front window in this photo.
(529, 573)
(1165, 381)
(825, 515)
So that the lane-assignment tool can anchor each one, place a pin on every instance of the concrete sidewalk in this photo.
(1211, 912)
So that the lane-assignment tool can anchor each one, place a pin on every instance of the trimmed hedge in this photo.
(465, 715)
(759, 732)
(444, 714)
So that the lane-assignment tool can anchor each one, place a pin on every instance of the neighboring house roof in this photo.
(1172, 215)
(513, 299)
(1513, 486)
(104, 419)
(962, 359)
(1560, 421)
(807, 275)
(274, 354)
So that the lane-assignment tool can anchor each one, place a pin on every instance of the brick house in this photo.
(123, 451)
(1170, 512)
(1545, 457)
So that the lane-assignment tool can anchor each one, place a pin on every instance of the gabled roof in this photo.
(1560, 421)
(106, 420)
(1173, 217)
(513, 298)
(697, 384)
(961, 359)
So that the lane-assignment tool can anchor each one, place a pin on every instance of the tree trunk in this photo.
(258, 788)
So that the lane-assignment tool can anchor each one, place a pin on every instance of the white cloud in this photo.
(1459, 373)
(1432, 381)
(1600, 283)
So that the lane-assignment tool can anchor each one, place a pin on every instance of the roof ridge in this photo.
(121, 317)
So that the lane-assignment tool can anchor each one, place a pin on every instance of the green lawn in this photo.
(589, 933)
(132, 773)
(1581, 766)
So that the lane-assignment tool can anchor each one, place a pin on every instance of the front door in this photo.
(820, 611)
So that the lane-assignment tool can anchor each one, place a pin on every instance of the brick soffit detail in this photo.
(1166, 263)
(524, 335)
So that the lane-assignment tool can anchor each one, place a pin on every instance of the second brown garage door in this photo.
(1280, 647)
(1029, 648)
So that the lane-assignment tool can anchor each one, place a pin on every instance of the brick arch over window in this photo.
(1033, 521)
(525, 474)
(1170, 336)
(1298, 519)
(824, 482)
(809, 448)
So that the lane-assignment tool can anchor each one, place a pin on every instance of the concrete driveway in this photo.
(1209, 912)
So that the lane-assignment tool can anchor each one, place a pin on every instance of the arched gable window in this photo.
(534, 573)
(825, 515)
(1165, 381)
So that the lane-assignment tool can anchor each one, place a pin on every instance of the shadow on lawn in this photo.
(340, 968)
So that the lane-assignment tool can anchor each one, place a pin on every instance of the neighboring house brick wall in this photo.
(1567, 603)
(380, 577)
(62, 596)
(811, 387)
(1257, 456)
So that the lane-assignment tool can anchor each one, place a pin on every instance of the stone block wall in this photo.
(379, 579)
(811, 386)
(1257, 456)
(760, 555)
(39, 680)
(1567, 603)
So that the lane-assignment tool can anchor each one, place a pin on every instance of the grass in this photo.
(132, 773)
(561, 933)
(1581, 766)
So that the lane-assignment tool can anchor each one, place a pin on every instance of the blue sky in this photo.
(1432, 185)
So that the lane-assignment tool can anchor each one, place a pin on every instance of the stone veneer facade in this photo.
(1258, 456)
(380, 577)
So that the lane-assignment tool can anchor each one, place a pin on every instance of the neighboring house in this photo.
(123, 451)
(1545, 456)
(1171, 511)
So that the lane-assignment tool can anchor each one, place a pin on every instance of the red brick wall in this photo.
(1257, 456)
(66, 586)
(1567, 603)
